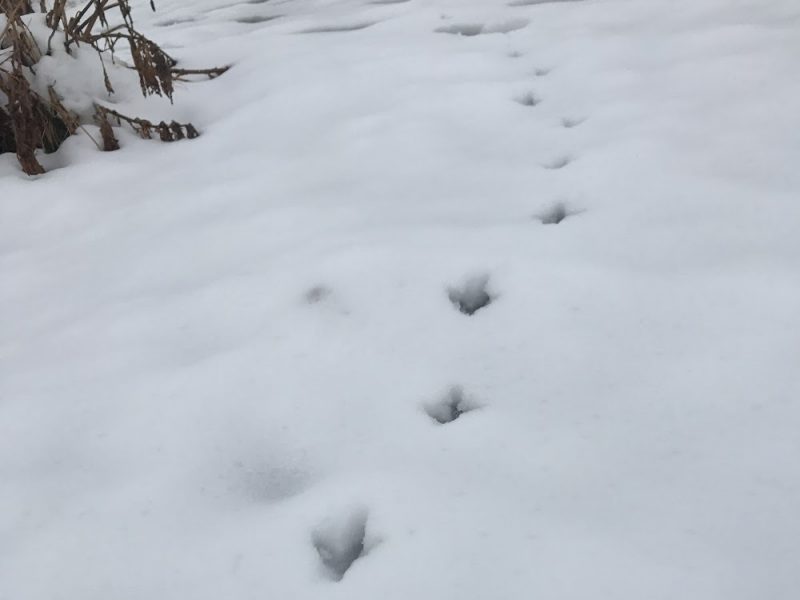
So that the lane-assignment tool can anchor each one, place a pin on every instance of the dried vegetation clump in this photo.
(34, 115)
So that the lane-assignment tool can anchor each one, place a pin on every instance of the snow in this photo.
(224, 360)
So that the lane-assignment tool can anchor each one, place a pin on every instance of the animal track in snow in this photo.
(468, 30)
(235, 4)
(541, 72)
(176, 21)
(473, 29)
(338, 28)
(535, 2)
(558, 163)
(472, 296)
(264, 482)
(506, 26)
(570, 123)
(528, 99)
(342, 541)
(388, 1)
(317, 294)
(555, 214)
(256, 19)
(451, 406)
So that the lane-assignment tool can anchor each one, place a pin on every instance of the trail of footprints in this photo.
(559, 211)
(460, 29)
(340, 541)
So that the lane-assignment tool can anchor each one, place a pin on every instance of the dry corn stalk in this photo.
(30, 121)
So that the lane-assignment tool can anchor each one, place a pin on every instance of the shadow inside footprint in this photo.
(558, 163)
(177, 21)
(570, 123)
(555, 214)
(527, 99)
(473, 29)
(465, 29)
(317, 294)
(337, 28)
(256, 19)
(340, 542)
(535, 2)
(472, 296)
(451, 406)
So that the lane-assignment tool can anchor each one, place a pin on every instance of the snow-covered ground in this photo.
(242, 367)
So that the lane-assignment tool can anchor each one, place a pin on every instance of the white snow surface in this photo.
(225, 361)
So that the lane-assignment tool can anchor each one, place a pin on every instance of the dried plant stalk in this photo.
(30, 121)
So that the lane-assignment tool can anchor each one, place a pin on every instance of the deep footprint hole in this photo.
(558, 163)
(528, 99)
(340, 542)
(555, 214)
(472, 296)
(451, 406)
